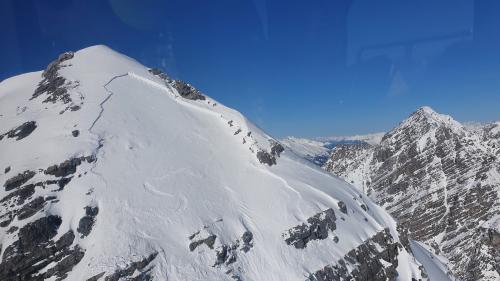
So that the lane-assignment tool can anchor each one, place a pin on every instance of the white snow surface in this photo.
(169, 167)
(436, 266)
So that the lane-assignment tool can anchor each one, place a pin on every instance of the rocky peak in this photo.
(439, 180)
(424, 125)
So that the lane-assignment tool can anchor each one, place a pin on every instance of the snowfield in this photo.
(173, 187)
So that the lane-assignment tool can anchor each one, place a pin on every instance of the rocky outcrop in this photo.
(374, 260)
(18, 180)
(269, 158)
(35, 255)
(68, 167)
(184, 89)
(20, 132)
(187, 91)
(142, 267)
(437, 178)
(317, 227)
(266, 158)
(228, 253)
(36, 249)
(225, 254)
(52, 84)
(209, 241)
(55, 87)
(87, 222)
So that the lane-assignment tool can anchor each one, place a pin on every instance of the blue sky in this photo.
(303, 68)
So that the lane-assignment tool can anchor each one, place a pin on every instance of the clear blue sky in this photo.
(303, 68)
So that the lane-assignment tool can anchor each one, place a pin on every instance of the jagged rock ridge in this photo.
(438, 179)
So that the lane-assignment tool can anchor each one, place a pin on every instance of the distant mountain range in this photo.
(317, 150)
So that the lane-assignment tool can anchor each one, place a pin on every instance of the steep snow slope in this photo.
(439, 179)
(436, 266)
(116, 172)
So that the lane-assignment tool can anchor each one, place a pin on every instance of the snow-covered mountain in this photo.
(439, 179)
(113, 171)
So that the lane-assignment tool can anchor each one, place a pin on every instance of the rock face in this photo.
(184, 89)
(376, 259)
(317, 227)
(20, 132)
(438, 179)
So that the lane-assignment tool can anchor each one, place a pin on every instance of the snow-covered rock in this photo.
(439, 179)
(113, 171)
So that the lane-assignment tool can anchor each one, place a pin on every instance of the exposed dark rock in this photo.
(75, 133)
(31, 208)
(63, 182)
(7, 170)
(87, 222)
(96, 277)
(237, 132)
(61, 269)
(221, 255)
(270, 158)
(365, 262)
(34, 250)
(209, 241)
(184, 89)
(247, 239)
(53, 85)
(158, 72)
(67, 167)
(20, 195)
(128, 271)
(276, 148)
(266, 158)
(316, 228)
(20, 132)
(228, 254)
(18, 180)
(342, 207)
(187, 91)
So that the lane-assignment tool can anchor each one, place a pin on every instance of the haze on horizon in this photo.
(304, 69)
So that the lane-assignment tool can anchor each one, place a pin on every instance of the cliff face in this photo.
(438, 179)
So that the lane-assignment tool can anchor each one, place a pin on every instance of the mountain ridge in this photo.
(438, 178)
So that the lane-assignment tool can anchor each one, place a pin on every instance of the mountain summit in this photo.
(114, 171)
(441, 181)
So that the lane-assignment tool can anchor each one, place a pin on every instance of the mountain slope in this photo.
(440, 180)
(114, 171)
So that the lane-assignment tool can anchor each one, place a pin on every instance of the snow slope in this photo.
(169, 189)
(436, 266)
